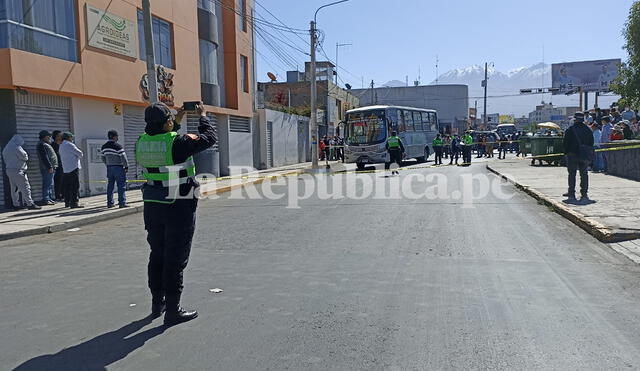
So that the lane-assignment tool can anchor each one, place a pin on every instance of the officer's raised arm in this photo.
(206, 138)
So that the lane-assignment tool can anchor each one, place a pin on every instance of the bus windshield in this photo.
(367, 127)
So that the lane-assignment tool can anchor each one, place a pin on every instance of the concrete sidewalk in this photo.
(15, 224)
(612, 216)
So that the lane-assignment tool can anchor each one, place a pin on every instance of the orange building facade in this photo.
(78, 66)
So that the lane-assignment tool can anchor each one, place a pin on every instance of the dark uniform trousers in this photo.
(438, 151)
(170, 231)
(396, 156)
(575, 164)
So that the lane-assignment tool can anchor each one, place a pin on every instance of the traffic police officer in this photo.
(170, 203)
(467, 141)
(437, 148)
(395, 148)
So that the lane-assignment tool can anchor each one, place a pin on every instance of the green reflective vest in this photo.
(437, 142)
(393, 142)
(468, 139)
(154, 153)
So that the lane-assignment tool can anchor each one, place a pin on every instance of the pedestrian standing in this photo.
(115, 158)
(395, 149)
(578, 146)
(490, 141)
(467, 142)
(447, 146)
(15, 161)
(455, 150)
(502, 147)
(71, 157)
(57, 178)
(607, 129)
(48, 161)
(437, 148)
(170, 203)
(597, 137)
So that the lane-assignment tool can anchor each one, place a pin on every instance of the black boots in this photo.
(179, 315)
(157, 308)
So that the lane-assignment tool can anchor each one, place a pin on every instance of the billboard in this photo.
(590, 75)
(507, 119)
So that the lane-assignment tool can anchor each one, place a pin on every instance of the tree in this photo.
(628, 82)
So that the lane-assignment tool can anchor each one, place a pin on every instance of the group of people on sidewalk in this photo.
(332, 148)
(60, 162)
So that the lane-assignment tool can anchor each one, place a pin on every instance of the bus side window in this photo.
(426, 121)
(408, 120)
(434, 121)
(401, 124)
(417, 121)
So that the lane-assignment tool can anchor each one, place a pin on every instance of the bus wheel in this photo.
(360, 166)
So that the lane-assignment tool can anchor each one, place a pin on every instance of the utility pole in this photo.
(152, 78)
(313, 119)
(484, 83)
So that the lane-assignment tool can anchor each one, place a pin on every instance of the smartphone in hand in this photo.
(191, 106)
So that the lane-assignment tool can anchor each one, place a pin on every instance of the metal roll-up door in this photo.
(134, 125)
(207, 161)
(193, 121)
(1, 180)
(36, 112)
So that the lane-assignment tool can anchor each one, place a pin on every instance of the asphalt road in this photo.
(340, 284)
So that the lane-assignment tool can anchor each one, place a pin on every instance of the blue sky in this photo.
(392, 39)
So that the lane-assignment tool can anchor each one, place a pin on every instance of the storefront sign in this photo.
(112, 33)
(165, 86)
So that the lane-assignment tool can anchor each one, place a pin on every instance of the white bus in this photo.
(367, 129)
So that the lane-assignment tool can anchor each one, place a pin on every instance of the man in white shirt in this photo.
(71, 156)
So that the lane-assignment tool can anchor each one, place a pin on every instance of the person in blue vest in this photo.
(170, 203)
(395, 148)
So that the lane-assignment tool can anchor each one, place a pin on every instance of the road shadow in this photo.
(97, 353)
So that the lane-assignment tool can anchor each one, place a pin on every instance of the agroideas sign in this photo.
(112, 33)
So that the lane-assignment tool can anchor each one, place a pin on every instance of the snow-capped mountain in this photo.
(504, 88)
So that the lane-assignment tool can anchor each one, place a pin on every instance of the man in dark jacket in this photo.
(576, 137)
(170, 203)
(114, 156)
(57, 177)
(48, 165)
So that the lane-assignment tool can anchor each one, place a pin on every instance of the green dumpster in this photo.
(525, 145)
(547, 148)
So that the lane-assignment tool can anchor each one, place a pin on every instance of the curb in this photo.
(597, 230)
(59, 227)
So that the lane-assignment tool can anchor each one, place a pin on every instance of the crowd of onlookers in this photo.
(332, 148)
(59, 161)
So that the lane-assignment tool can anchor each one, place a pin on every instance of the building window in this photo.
(162, 41)
(207, 5)
(244, 73)
(208, 62)
(242, 13)
(46, 27)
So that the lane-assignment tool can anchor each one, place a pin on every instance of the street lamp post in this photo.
(313, 119)
(338, 46)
